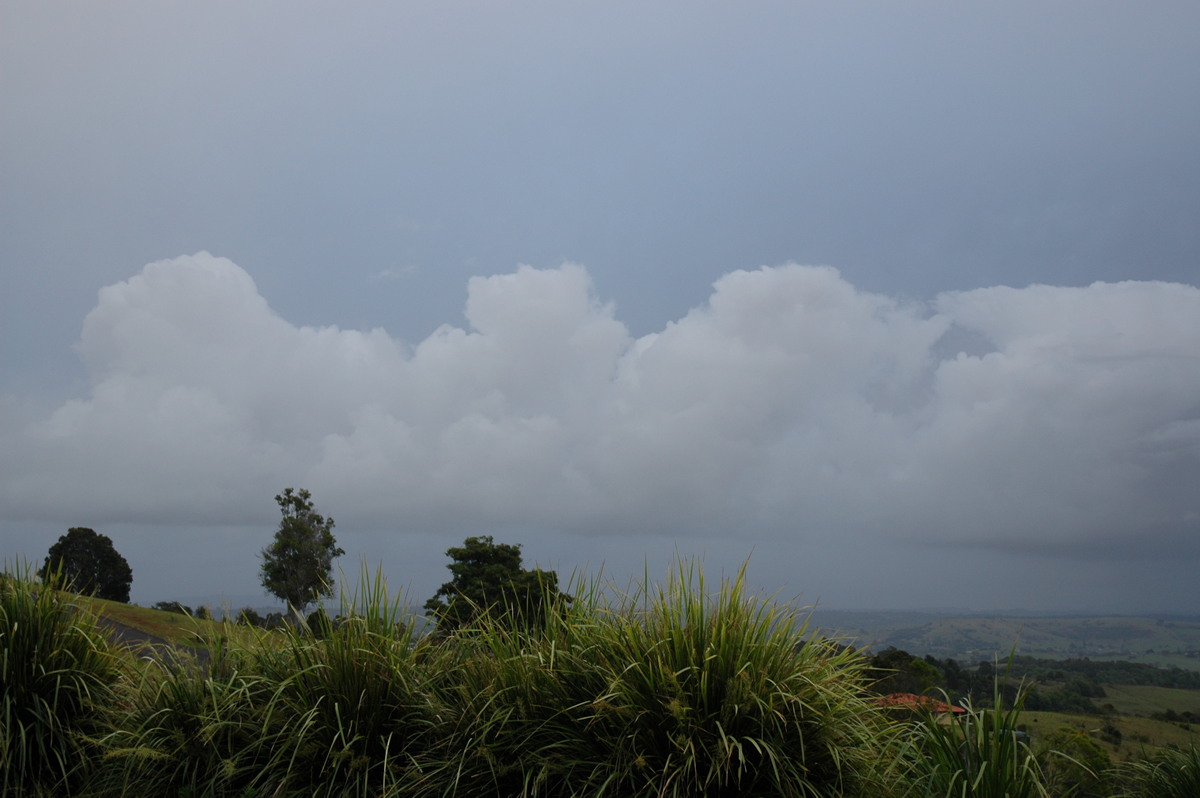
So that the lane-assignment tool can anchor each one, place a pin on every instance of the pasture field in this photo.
(1129, 699)
(1139, 736)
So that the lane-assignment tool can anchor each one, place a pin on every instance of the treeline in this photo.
(1057, 685)
(1108, 672)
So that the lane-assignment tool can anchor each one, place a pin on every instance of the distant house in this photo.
(921, 704)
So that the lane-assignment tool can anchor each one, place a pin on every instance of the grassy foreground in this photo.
(672, 689)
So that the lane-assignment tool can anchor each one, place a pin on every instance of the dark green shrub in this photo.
(1075, 764)
(86, 562)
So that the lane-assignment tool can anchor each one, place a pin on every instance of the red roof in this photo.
(918, 702)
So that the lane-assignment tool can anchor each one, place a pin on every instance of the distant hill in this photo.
(1159, 641)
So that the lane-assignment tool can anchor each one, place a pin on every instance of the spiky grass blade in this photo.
(1170, 774)
(57, 672)
(664, 690)
(976, 755)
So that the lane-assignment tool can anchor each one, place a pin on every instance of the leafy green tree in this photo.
(248, 616)
(896, 671)
(298, 565)
(88, 563)
(488, 578)
(173, 606)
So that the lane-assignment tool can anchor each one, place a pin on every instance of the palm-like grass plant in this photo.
(662, 691)
(1170, 774)
(57, 673)
(194, 729)
(343, 714)
(359, 708)
(977, 755)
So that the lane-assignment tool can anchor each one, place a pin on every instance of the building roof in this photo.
(918, 702)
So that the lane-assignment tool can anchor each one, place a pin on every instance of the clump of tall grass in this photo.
(1169, 774)
(57, 671)
(342, 714)
(976, 755)
(358, 702)
(199, 728)
(663, 690)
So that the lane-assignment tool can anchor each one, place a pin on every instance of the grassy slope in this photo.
(173, 627)
(1130, 699)
(1139, 736)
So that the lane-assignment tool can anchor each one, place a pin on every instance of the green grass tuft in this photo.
(664, 690)
(1169, 774)
(978, 754)
(58, 672)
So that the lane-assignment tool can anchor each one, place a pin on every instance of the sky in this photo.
(895, 304)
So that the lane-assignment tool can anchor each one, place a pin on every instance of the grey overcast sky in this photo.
(899, 301)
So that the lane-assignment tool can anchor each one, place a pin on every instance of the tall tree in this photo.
(488, 577)
(88, 563)
(298, 565)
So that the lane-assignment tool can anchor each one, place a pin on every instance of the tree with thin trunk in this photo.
(298, 565)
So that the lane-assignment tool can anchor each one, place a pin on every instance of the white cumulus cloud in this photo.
(790, 403)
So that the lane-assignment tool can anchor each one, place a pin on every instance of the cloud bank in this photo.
(790, 403)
